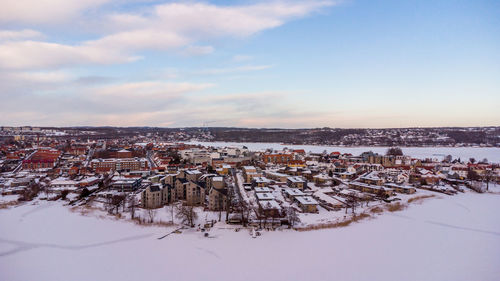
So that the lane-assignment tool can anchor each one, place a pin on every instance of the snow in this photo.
(479, 153)
(446, 238)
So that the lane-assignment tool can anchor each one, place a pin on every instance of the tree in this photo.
(448, 158)
(170, 209)
(64, 194)
(472, 175)
(229, 201)
(489, 176)
(132, 204)
(292, 216)
(186, 214)
(151, 215)
(472, 160)
(394, 151)
(244, 210)
(351, 202)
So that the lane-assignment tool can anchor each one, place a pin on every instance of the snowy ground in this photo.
(452, 238)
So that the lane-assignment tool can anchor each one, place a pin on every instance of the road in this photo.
(26, 158)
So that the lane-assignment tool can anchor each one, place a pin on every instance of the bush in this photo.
(84, 193)
(64, 193)
(419, 198)
(395, 207)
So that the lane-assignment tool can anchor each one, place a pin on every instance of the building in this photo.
(119, 164)
(307, 204)
(269, 208)
(401, 188)
(217, 195)
(277, 158)
(370, 188)
(151, 197)
(296, 182)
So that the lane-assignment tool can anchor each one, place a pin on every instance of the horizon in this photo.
(252, 64)
(249, 128)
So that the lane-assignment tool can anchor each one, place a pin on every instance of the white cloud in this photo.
(147, 89)
(164, 27)
(44, 11)
(153, 38)
(245, 68)
(34, 54)
(197, 50)
(19, 34)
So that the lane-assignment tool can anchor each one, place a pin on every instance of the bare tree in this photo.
(151, 215)
(292, 216)
(448, 158)
(132, 204)
(489, 176)
(244, 210)
(351, 202)
(186, 214)
(395, 151)
(229, 202)
(170, 209)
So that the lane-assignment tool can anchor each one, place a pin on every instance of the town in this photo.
(197, 186)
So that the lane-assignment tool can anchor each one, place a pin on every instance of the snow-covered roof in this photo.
(306, 200)
(264, 196)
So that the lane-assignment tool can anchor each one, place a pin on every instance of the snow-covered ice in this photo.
(479, 153)
(445, 238)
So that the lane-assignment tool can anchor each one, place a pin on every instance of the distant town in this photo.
(133, 173)
(445, 136)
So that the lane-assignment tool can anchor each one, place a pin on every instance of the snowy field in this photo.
(479, 153)
(446, 238)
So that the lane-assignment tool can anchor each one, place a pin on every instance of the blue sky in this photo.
(290, 64)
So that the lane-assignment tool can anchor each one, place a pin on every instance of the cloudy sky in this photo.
(312, 63)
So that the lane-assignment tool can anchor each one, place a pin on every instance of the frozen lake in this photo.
(447, 238)
(479, 153)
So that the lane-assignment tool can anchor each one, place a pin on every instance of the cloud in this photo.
(19, 34)
(198, 50)
(44, 11)
(171, 26)
(238, 69)
(34, 54)
(147, 90)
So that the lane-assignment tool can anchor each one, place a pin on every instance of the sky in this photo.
(286, 64)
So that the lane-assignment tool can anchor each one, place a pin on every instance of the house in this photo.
(260, 182)
(61, 184)
(372, 178)
(250, 172)
(291, 193)
(401, 188)
(296, 182)
(264, 196)
(269, 208)
(264, 189)
(307, 204)
(280, 177)
(126, 184)
(321, 179)
(370, 188)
